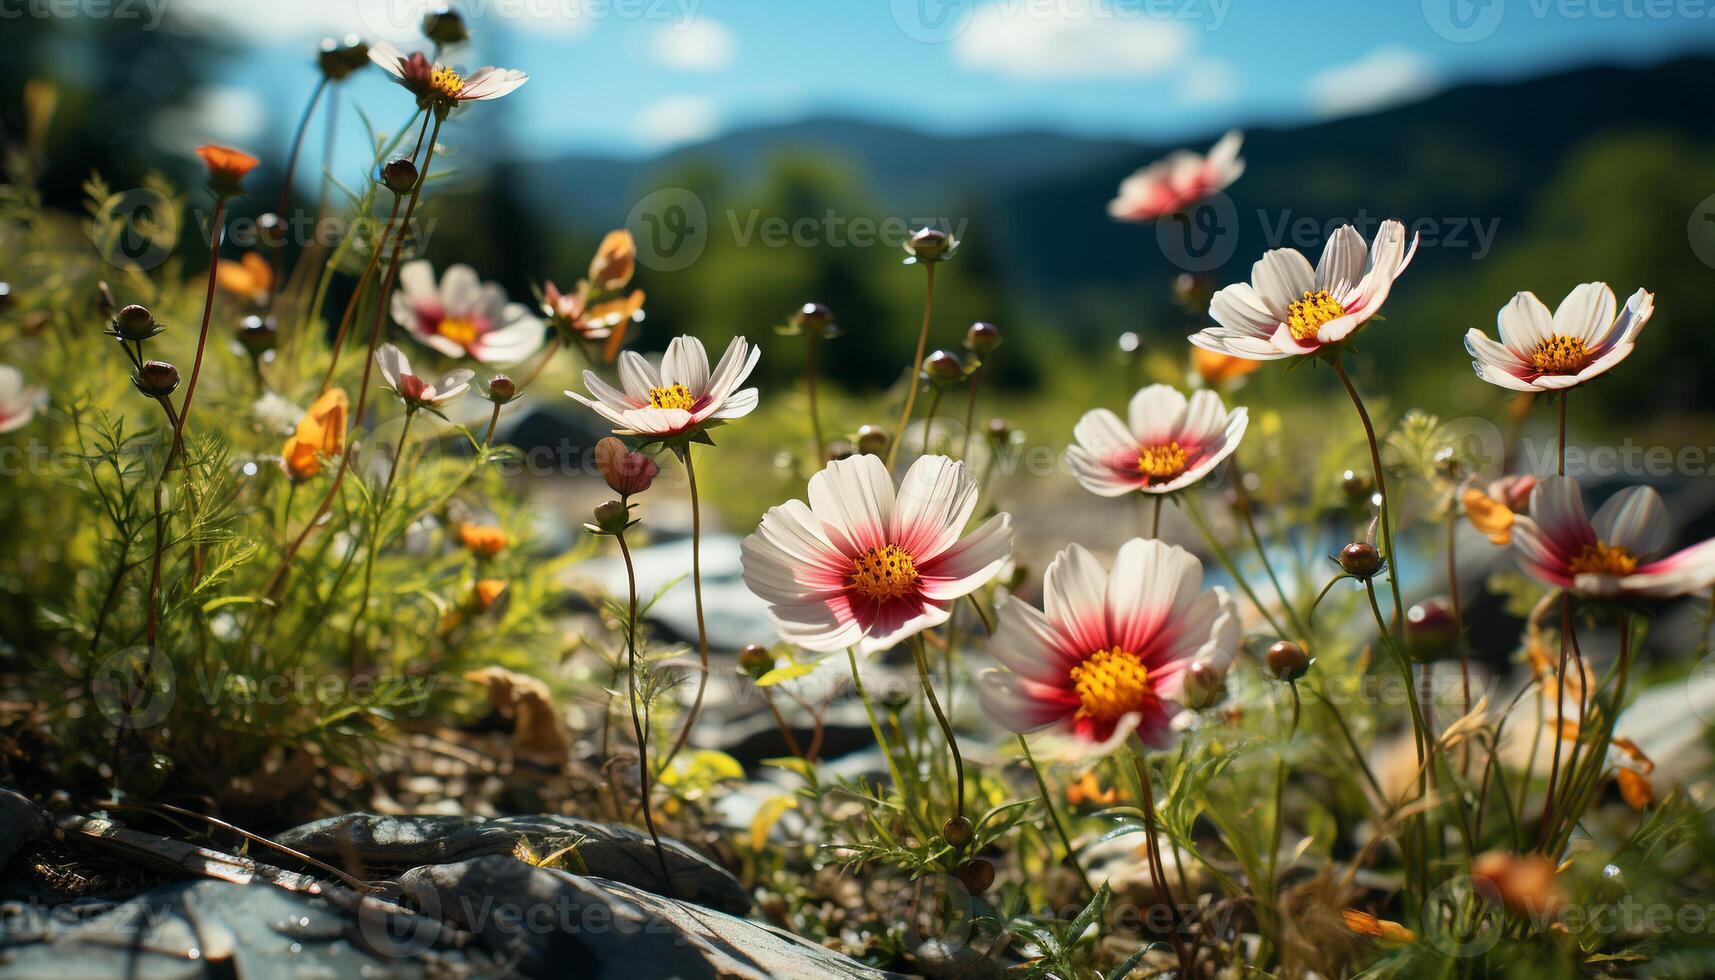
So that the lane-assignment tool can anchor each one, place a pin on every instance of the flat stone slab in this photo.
(620, 853)
(551, 923)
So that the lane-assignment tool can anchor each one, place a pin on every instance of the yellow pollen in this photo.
(881, 573)
(1305, 316)
(1560, 354)
(446, 82)
(672, 396)
(1161, 462)
(1111, 684)
(1603, 559)
(460, 330)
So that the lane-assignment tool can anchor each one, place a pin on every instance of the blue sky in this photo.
(629, 77)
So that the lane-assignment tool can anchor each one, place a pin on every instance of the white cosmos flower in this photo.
(1171, 442)
(1178, 181)
(464, 316)
(1616, 554)
(864, 565)
(18, 404)
(1289, 309)
(440, 85)
(1107, 654)
(396, 370)
(681, 396)
(1540, 351)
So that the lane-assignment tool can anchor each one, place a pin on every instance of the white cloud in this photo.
(1381, 78)
(1070, 39)
(699, 44)
(220, 114)
(677, 119)
(1208, 81)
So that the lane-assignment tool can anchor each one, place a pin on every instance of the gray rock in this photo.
(556, 924)
(20, 822)
(603, 850)
(222, 929)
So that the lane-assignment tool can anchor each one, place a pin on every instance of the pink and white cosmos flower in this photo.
(1289, 309)
(1178, 181)
(1107, 656)
(464, 316)
(18, 404)
(440, 85)
(1613, 555)
(413, 389)
(1540, 351)
(681, 396)
(1171, 443)
(863, 565)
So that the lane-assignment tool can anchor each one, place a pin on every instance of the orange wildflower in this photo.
(487, 592)
(320, 434)
(484, 540)
(1089, 790)
(226, 168)
(614, 261)
(1365, 924)
(251, 276)
(1524, 884)
(1635, 788)
(1216, 369)
(1488, 515)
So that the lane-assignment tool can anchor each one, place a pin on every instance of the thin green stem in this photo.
(810, 389)
(1157, 869)
(929, 420)
(286, 188)
(636, 715)
(1244, 509)
(697, 591)
(881, 743)
(915, 365)
(1054, 816)
(375, 532)
(946, 726)
(970, 412)
(1381, 490)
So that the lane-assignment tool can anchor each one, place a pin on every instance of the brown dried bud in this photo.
(1287, 660)
(257, 334)
(135, 323)
(872, 439)
(957, 831)
(445, 27)
(1205, 685)
(755, 660)
(976, 875)
(156, 379)
(400, 175)
(982, 337)
(943, 367)
(930, 245)
(612, 517)
(1361, 560)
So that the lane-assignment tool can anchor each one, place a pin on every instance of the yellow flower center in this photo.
(446, 82)
(882, 573)
(1304, 317)
(672, 396)
(1560, 354)
(1603, 559)
(1161, 462)
(1110, 684)
(462, 331)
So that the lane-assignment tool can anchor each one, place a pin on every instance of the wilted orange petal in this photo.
(614, 261)
(487, 591)
(1365, 924)
(629, 307)
(321, 432)
(1636, 754)
(1635, 788)
(1488, 515)
(1216, 369)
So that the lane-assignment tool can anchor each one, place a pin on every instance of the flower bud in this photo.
(1287, 660)
(1205, 685)
(500, 389)
(1191, 292)
(612, 517)
(957, 831)
(1430, 628)
(445, 27)
(7, 299)
(340, 58)
(1360, 559)
(982, 337)
(999, 430)
(400, 175)
(872, 439)
(930, 245)
(816, 319)
(270, 229)
(626, 472)
(755, 660)
(156, 379)
(976, 875)
(841, 449)
(257, 334)
(135, 323)
(943, 367)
